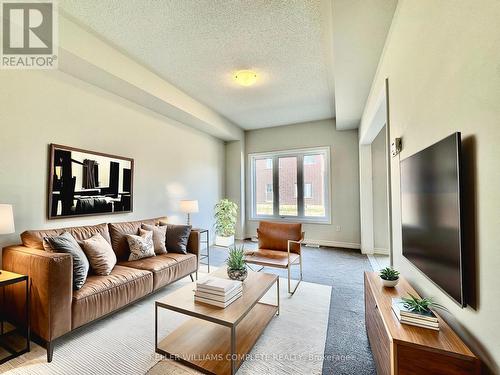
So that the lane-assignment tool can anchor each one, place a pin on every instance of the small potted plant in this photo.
(389, 276)
(420, 305)
(225, 222)
(236, 267)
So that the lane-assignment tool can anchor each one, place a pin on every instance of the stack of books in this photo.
(414, 318)
(218, 292)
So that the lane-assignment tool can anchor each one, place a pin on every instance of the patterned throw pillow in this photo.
(141, 246)
(101, 256)
(159, 237)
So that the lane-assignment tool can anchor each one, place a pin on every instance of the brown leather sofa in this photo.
(57, 309)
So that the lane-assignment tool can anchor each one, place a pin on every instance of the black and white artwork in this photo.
(85, 182)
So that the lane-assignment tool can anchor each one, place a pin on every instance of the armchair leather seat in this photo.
(271, 258)
(101, 295)
(162, 268)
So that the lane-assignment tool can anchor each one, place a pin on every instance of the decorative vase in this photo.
(390, 283)
(239, 275)
(224, 241)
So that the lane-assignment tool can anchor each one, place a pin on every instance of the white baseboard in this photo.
(381, 251)
(347, 245)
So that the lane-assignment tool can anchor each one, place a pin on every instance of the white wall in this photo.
(379, 186)
(442, 61)
(172, 161)
(344, 175)
(235, 181)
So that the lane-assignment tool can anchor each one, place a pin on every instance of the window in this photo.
(291, 185)
(307, 190)
(263, 186)
(269, 192)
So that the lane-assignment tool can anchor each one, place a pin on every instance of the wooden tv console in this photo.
(400, 349)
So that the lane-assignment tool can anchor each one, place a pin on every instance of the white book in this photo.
(218, 297)
(403, 311)
(415, 321)
(218, 284)
(217, 303)
(420, 325)
(202, 288)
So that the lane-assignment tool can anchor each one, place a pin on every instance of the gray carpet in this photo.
(346, 350)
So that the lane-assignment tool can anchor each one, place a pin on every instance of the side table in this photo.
(207, 243)
(7, 337)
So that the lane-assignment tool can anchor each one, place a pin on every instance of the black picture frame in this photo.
(75, 192)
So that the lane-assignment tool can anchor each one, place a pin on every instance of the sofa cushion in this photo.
(141, 246)
(34, 238)
(166, 268)
(101, 295)
(177, 237)
(118, 231)
(101, 257)
(66, 243)
(159, 237)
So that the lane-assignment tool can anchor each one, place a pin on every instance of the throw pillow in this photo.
(159, 237)
(141, 246)
(66, 243)
(101, 256)
(177, 237)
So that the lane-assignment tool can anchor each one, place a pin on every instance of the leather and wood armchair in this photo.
(279, 247)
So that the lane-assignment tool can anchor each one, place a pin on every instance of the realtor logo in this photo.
(29, 35)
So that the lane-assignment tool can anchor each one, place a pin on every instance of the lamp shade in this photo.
(6, 219)
(189, 206)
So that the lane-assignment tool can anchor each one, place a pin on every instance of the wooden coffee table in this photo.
(216, 340)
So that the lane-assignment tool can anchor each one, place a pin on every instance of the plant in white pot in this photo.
(225, 222)
(389, 276)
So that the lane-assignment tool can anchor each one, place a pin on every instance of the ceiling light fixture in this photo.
(245, 77)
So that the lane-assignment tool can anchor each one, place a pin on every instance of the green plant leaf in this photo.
(236, 258)
(225, 213)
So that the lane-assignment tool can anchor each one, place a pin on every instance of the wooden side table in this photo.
(6, 337)
(207, 243)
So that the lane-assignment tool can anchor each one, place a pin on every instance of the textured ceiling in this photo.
(197, 45)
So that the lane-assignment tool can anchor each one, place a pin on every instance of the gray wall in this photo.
(442, 61)
(172, 161)
(344, 175)
(379, 186)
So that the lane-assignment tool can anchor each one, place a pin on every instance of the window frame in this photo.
(299, 153)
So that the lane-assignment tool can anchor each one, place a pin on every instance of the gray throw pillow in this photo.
(177, 237)
(141, 246)
(101, 256)
(159, 237)
(66, 243)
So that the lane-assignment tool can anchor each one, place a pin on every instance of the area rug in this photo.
(123, 343)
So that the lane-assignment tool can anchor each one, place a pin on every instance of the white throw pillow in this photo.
(141, 246)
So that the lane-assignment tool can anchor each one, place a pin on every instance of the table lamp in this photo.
(6, 220)
(189, 207)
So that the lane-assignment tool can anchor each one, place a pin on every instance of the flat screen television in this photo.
(431, 219)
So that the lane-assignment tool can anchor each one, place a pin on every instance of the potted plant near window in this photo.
(225, 222)
(236, 266)
(389, 276)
